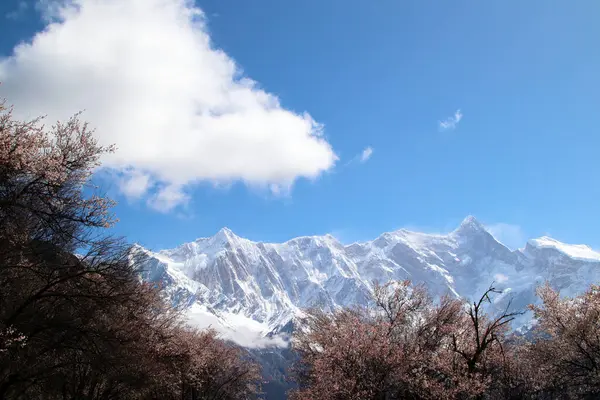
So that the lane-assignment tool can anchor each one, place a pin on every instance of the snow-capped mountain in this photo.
(260, 287)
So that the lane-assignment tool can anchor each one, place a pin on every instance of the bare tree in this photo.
(566, 350)
(399, 349)
(76, 322)
(482, 332)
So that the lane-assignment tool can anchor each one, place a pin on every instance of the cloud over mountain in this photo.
(179, 109)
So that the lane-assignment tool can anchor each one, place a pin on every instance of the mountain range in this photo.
(252, 292)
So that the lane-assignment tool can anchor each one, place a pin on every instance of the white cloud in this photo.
(510, 235)
(134, 184)
(150, 80)
(450, 123)
(167, 198)
(361, 157)
(366, 154)
(244, 332)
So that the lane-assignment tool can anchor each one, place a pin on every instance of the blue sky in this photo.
(487, 108)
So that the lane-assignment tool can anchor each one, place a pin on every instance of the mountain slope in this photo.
(253, 288)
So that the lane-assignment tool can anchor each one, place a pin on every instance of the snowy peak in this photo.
(223, 239)
(267, 285)
(306, 242)
(470, 226)
(225, 235)
(225, 231)
(575, 251)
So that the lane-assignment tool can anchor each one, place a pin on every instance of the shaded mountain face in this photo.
(266, 285)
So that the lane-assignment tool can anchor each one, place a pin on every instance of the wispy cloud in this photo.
(134, 184)
(17, 13)
(451, 122)
(510, 235)
(361, 157)
(366, 154)
(168, 198)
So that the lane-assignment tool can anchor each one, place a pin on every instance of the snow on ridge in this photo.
(576, 251)
(253, 287)
(471, 222)
(413, 237)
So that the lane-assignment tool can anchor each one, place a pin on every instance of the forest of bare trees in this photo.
(405, 346)
(77, 321)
